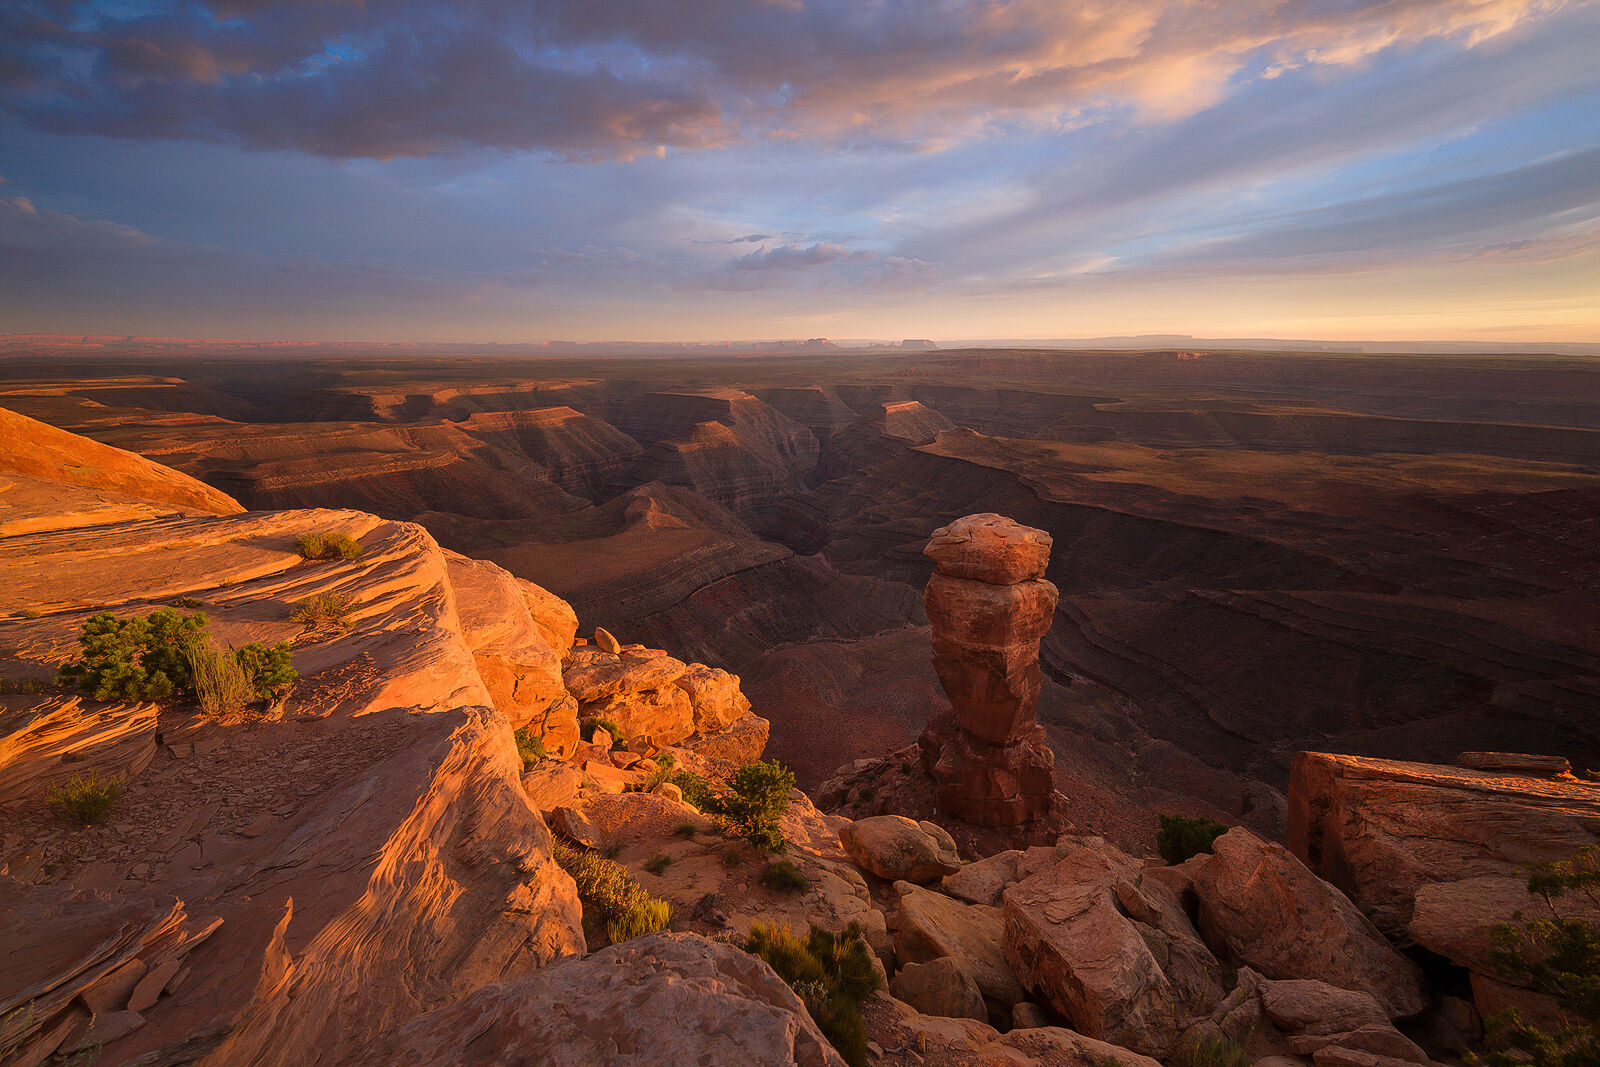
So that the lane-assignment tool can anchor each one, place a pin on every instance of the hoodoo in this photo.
(989, 604)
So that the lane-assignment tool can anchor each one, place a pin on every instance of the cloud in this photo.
(794, 257)
(629, 78)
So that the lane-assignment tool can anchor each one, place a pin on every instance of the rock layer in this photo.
(989, 607)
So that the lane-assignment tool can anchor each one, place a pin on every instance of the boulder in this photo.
(989, 548)
(1515, 762)
(553, 616)
(663, 715)
(940, 987)
(1111, 951)
(605, 642)
(1262, 907)
(1027, 1015)
(1303, 1005)
(928, 925)
(896, 848)
(514, 660)
(726, 750)
(1338, 1056)
(575, 826)
(714, 696)
(1380, 1039)
(668, 998)
(983, 881)
(1060, 1047)
(595, 674)
(1382, 829)
(1454, 919)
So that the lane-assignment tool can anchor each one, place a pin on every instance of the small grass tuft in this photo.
(619, 902)
(685, 829)
(220, 682)
(1215, 1051)
(322, 610)
(658, 863)
(782, 876)
(320, 546)
(188, 603)
(732, 856)
(905, 766)
(86, 798)
(831, 973)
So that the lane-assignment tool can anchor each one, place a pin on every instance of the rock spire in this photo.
(989, 605)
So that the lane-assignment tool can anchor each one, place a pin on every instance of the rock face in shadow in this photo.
(666, 998)
(1262, 907)
(1439, 855)
(1110, 949)
(1381, 830)
(989, 606)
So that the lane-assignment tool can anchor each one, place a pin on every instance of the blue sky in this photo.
(713, 169)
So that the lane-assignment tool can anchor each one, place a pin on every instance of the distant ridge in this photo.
(35, 344)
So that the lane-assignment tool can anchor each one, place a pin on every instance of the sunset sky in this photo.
(710, 169)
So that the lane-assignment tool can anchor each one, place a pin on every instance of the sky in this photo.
(683, 170)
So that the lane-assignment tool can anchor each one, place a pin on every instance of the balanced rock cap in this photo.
(990, 548)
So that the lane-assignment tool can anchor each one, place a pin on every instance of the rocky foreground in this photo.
(363, 872)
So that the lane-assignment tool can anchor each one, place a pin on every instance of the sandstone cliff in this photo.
(278, 886)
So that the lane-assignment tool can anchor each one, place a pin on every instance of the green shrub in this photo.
(24, 685)
(685, 829)
(696, 790)
(905, 766)
(784, 877)
(86, 798)
(327, 546)
(167, 654)
(1181, 838)
(269, 667)
(530, 746)
(658, 863)
(134, 659)
(831, 973)
(587, 727)
(620, 904)
(1559, 957)
(187, 603)
(324, 609)
(220, 683)
(865, 796)
(759, 799)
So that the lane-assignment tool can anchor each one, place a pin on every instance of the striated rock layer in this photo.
(989, 606)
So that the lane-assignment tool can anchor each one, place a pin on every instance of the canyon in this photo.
(1256, 553)
(367, 868)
